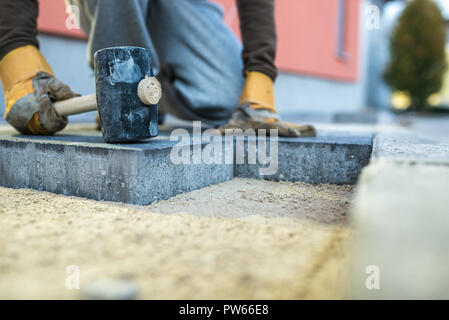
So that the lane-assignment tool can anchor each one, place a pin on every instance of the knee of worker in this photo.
(214, 98)
(201, 55)
(212, 85)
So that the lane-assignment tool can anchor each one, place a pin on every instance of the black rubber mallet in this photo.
(126, 96)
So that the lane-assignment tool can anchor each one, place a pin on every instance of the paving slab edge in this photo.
(400, 221)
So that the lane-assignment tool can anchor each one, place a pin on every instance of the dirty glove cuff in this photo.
(30, 88)
(34, 113)
(258, 91)
(256, 110)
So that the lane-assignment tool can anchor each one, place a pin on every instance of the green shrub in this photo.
(417, 46)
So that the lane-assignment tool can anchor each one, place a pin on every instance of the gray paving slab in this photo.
(369, 116)
(81, 164)
(401, 225)
(85, 166)
(409, 147)
(329, 158)
(401, 216)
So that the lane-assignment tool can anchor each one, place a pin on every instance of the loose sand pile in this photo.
(241, 239)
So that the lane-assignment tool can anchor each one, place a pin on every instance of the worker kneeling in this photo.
(205, 73)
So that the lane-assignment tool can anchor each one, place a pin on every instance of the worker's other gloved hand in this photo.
(30, 88)
(256, 109)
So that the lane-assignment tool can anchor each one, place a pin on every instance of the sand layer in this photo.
(242, 239)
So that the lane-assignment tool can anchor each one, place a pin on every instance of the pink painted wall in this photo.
(307, 34)
(52, 18)
(307, 37)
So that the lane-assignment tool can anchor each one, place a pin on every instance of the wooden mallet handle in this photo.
(76, 105)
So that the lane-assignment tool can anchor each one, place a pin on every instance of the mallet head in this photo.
(128, 111)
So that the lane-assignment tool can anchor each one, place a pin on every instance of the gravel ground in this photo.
(243, 239)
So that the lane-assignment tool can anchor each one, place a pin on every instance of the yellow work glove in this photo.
(30, 88)
(256, 109)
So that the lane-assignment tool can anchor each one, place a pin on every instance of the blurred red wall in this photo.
(52, 19)
(307, 34)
